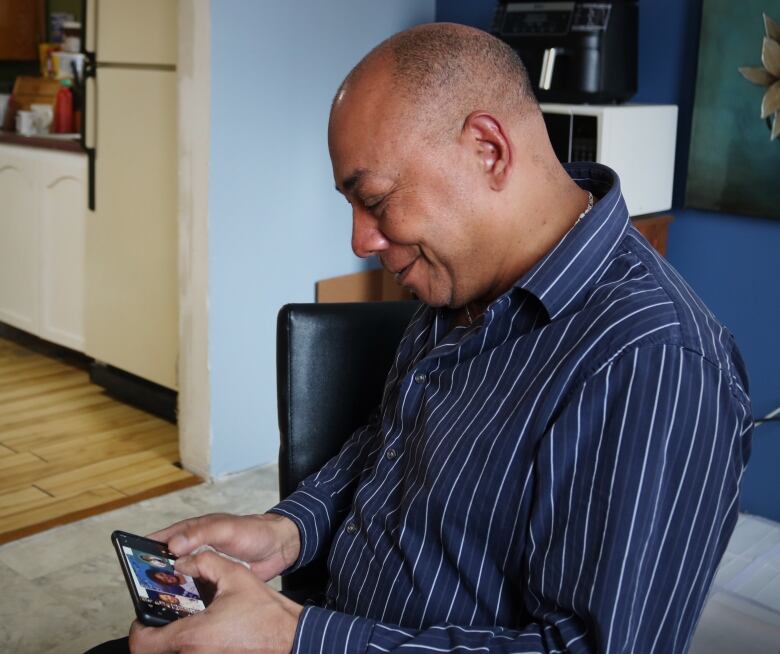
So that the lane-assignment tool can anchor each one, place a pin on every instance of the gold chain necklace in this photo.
(588, 208)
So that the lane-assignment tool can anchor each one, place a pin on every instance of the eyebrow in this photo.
(353, 180)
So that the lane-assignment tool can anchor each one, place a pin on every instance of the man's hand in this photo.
(245, 616)
(269, 543)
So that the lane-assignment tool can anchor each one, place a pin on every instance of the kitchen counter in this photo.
(45, 142)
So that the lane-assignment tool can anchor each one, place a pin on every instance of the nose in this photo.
(367, 238)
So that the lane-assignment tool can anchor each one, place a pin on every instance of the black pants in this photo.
(112, 647)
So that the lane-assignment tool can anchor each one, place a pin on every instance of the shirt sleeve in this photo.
(322, 498)
(636, 487)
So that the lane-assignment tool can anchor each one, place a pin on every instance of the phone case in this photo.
(160, 616)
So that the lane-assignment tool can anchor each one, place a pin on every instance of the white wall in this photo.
(276, 225)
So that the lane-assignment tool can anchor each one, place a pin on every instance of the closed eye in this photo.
(372, 203)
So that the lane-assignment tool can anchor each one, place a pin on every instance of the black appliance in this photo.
(575, 52)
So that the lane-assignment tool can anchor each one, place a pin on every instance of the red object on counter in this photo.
(63, 109)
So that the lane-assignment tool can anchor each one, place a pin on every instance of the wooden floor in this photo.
(68, 450)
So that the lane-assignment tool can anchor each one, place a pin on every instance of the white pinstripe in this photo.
(541, 401)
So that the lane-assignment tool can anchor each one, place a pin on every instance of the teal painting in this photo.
(734, 162)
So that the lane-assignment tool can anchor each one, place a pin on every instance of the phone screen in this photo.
(159, 588)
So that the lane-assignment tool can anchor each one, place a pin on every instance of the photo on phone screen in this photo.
(160, 593)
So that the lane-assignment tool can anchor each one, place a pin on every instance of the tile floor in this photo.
(742, 614)
(62, 590)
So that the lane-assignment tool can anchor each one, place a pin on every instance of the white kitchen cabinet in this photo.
(42, 240)
(19, 238)
(62, 240)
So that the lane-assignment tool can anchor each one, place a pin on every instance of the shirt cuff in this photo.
(321, 630)
(313, 514)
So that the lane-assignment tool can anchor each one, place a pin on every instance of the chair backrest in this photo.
(331, 364)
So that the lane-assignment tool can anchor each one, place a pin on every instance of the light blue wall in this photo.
(732, 261)
(276, 225)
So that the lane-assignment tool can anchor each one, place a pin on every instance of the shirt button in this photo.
(391, 454)
(420, 378)
(352, 528)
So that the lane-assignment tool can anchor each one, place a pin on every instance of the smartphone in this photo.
(160, 593)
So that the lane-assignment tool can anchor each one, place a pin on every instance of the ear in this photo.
(484, 135)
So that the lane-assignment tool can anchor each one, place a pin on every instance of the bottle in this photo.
(63, 109)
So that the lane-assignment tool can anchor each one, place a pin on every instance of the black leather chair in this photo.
(331, 363)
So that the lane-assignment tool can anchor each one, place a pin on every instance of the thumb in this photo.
(210, 567)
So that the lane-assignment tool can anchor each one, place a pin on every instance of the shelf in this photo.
(63, 142)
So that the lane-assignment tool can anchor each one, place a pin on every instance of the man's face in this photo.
(413, 199)
(167, 578)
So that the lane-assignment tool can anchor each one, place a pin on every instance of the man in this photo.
(172, 582)
(556, 462)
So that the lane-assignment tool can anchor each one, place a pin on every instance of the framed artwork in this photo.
(734, 161)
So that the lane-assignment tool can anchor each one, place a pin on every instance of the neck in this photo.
(550, 208)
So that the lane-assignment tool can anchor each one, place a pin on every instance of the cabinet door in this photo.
(132, 319)
(137, 32)
(22, 27)
(19, 246)
(63, 210)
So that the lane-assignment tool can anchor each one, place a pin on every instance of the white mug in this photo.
(44, 113)
(25, 123)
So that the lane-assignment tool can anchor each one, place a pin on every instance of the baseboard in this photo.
(148, 396)
(153, 398)
(46, 348)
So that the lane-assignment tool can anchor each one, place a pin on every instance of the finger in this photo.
(264, 570)
(183, 537)
(154, 640)
(211, 567)
(164, 535)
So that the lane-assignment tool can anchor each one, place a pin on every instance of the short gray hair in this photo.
(446, 71)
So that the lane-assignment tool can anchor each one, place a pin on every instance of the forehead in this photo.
(366, 133)
(361, 157)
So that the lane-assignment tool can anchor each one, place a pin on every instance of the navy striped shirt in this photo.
(562, 475)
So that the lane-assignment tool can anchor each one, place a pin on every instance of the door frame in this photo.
(194, 113)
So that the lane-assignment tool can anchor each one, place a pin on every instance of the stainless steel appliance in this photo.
(575, 52)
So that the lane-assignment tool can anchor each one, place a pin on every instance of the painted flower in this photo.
(768, 75)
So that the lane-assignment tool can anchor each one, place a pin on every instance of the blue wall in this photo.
(733, 262)
(275, 223)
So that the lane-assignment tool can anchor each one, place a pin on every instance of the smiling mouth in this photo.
(401, 275)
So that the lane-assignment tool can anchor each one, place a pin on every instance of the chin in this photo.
(432, 300)
(432, 294)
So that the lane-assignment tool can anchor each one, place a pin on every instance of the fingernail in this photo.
(177, 543)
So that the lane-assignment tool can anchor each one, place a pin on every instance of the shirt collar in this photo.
(563, 277)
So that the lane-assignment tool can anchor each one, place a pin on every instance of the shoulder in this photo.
(639, 300)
